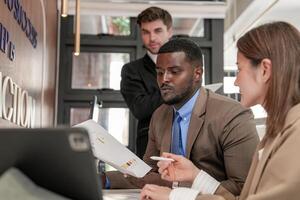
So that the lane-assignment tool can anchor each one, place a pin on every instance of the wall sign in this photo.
(16, 105)
(22, 108)
(24, 22)
(6, 46)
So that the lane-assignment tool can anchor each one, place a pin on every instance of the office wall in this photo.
(234, 10)
(28, 35)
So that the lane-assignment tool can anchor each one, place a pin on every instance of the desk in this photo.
(129, 194)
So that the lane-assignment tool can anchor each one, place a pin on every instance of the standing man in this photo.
(138, 85)
(216, 133)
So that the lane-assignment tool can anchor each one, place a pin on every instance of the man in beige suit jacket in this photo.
(221, 137)
(274, 174)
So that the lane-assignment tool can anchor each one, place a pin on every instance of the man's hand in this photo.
(181, 169)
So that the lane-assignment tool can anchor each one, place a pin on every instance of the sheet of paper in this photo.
(121, 194)
(108, 149)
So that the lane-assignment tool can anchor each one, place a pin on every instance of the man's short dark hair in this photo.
(155, 13)
(191, 49)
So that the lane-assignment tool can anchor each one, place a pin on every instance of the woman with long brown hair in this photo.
(268, 61)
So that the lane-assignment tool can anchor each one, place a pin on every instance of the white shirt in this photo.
(152, 56)
(203, 184)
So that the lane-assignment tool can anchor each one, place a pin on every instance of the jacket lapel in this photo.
(167, 132)
(197, 119)
(271, 146)
(261, 164)
(149, 65)
(248, 183)
(148, 73)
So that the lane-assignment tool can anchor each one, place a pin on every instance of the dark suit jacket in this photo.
(221, 140)
(141, 93)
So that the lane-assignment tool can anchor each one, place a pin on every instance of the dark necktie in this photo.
(176, 146)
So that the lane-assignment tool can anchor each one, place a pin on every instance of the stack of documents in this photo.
(108, 149)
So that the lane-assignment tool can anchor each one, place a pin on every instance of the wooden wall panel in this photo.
(33, 69)
(48, 104)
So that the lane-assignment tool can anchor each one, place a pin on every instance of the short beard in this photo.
(180, 99)
(183, 97)
(173, 101)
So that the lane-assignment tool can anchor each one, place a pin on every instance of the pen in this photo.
(161, 158)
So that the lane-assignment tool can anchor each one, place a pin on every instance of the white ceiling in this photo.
(259, 12)
(187, 9)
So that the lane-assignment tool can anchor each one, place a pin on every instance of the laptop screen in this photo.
(95, 109)
(60, 160)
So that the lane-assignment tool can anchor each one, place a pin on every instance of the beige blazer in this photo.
(276, 175)
(221, 140)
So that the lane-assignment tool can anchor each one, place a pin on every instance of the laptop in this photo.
(58, 159)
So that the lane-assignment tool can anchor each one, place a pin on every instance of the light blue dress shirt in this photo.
(185, 113)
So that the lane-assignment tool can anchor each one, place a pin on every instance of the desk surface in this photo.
(131, 194)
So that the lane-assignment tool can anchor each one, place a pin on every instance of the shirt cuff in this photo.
(205, 183)
(183, 193)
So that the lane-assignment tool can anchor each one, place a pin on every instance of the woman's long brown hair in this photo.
(279, 42)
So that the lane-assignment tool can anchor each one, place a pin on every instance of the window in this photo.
(114, 120)
(78, 115)
(104, 25)
(192, 27)
(98, 70)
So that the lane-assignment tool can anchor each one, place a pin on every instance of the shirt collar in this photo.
(187, 108)
(152, 56)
